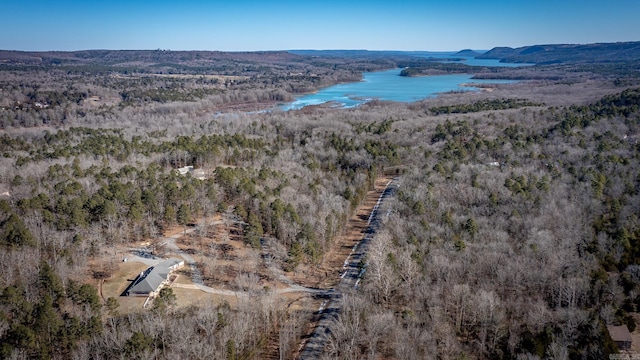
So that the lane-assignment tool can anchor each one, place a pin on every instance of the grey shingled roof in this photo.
(149, 280)
(620, 333)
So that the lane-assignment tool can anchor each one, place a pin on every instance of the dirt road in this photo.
(353, 270)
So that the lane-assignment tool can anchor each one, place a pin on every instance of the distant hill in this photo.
(567, 53)
(467, 53)
(334, 53)
(113, 57)
(538, 54)
(350, 54)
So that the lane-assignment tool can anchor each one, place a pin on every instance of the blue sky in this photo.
(309, 24)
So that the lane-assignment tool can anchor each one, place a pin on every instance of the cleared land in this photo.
(228, 264)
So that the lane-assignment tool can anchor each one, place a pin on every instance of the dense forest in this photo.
(514, 233)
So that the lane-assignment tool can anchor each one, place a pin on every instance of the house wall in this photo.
(623, 345)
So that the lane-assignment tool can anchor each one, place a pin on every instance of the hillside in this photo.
(553, 54)
(467, 53)
(114, 57)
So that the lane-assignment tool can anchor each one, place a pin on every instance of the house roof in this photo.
(171, 262)
(196, 173)
(185, 169)
(619, 333)
(150, 279)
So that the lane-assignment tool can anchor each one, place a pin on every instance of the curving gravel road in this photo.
(196, 276)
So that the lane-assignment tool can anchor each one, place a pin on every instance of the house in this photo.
(196, 173)
(621, 336)
(150, 281)
(185, 170)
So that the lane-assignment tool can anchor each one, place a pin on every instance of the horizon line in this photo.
(315, 49)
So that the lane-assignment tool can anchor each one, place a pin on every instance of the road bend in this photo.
(353, 270)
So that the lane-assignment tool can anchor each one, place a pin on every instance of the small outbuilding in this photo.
(621, 336)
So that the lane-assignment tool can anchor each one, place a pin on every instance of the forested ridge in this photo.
(513, 233)
(567, 53)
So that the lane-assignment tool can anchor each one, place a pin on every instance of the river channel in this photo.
(389, 85)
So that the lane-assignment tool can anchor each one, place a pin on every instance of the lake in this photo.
(388, 85)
